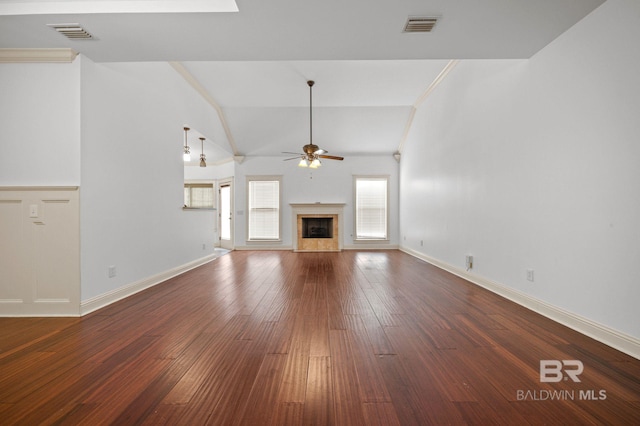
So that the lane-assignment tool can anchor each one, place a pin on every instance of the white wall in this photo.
(213, 171)
(132, 174)
(331, 183)
(40, 131)
(535, 164)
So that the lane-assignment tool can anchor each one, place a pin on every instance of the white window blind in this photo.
(198, 195)
(264, 209)
(371, 208)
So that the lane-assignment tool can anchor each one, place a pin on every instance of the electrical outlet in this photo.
(204, 246)
(530, 275)
(468, 262)
(112, 271)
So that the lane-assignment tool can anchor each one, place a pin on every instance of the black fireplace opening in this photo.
(317, 227)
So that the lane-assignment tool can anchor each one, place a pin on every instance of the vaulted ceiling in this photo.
(253, 63)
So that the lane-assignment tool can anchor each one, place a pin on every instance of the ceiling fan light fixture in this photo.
(303, 163)
(315, 163)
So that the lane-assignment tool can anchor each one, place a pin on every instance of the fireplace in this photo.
(317, 226)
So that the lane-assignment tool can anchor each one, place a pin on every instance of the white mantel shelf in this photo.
(316, 208)
(314, 205)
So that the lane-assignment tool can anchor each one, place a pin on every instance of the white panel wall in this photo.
(39, 251)
(40, 131)
(331, 183)
(535, 164)
(133, 174)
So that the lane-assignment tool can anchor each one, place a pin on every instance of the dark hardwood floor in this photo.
(282, 338)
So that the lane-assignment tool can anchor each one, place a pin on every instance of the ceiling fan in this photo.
(311, 153)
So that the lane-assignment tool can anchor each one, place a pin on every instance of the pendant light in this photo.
(202, 156)
(187, 154)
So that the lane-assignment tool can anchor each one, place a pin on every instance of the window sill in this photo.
(371, 241)
(198, 208)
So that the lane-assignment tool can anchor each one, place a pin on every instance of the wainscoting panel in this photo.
(40, 251)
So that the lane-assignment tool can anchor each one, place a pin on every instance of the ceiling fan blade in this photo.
(293, 158)
(331, 157)
(295, 153)
(320, 151)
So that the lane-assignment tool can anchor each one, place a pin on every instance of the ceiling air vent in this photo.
(72, 31)
(420, 24)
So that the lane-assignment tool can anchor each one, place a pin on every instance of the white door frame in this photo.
(224, 243)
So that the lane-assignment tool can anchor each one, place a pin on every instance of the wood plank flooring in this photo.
(282, 338)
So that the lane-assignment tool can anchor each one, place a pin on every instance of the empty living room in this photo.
(234, 212)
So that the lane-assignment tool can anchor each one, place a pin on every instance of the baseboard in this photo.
(616, 339)
(263, 247)
(43, 308)
(370, 246)
(98, 302)
(367, 246)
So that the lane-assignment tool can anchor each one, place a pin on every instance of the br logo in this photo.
(553, 370)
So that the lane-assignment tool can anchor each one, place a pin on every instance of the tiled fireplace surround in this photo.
(314, 210)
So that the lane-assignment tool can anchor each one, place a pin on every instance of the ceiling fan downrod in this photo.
(310, 83)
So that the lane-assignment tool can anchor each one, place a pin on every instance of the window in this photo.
(371, 203)
(198, 195)
(264, 207)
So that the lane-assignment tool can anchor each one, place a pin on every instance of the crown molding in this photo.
(446, 70)
(19, 56)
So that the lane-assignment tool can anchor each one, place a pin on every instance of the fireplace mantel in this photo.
(339, 206)
(316, 209)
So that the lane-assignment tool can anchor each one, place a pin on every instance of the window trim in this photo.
(258, 178)
(386, 178)
(200, 183)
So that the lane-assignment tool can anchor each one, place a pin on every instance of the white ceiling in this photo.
(358, 106)
(255, 62)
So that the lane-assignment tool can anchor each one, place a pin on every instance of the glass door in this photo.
(225, 215)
